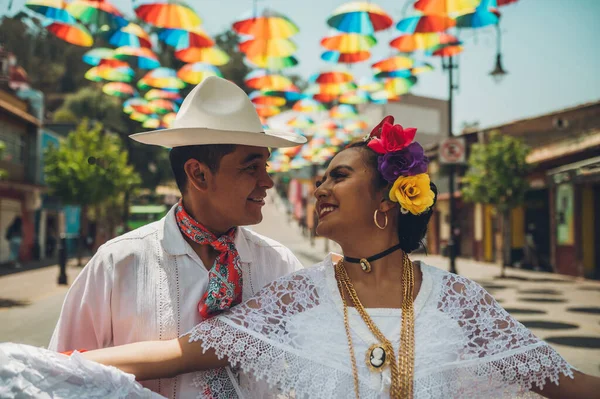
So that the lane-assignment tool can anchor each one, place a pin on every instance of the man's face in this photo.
(238, 189)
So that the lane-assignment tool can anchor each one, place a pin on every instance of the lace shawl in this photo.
(289, 340)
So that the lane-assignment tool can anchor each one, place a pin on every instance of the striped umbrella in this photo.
(355, 97)
(263, 80)
(76, 34)
(155, 94)
(343, 111)
(118, 89)
(268, 47)
(162, 106)
(131, 35)
(360, 17)
(95, 55)
(141, 57)
(330, 77)
(267, 111)
(420, 41)
(394, 63)
(445, 7)
(265, 24)
(170, 14)
(55, 10)
(161, 78)
(136, 104)
(337, 57)
(195, 73)
(184, 38)
(308, 105)
(209, 55)
(272, 63)
(100, 13)
(425, 24)
(260, 98)
(301, 122)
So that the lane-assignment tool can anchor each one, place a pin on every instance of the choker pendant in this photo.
(377, 358)
(365, 265)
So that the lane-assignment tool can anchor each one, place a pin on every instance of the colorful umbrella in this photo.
(118, 89)
(267, 111)
(370, 84)
(501, 3)
(168, 119)
(94, 56)
(100, 13)
(399, 86)
(52, 9)
(349, 42)
(182, 38)
(420, 41)
(161, 78)
(153, 122)
(155, 94)
(268, 47)
(100, 73)
(260, 98)
(355, 97)
(162, 106)
(447, 50)
(143, 57)
(265, 24)
(357, 17)
(425, 24)
(209, 55)
(356, 126)
(169, 14)
(273, 63)
(394, 63)
(331, 77)
(483, 16)
(197, 72)
(383, 97)
(131, 35)
(138, 116)
(345, 58)
(343, 111)
(76, 34)
(263, 80)
(136, 104)
(290, 94)
(445, 7)
(301, 122)
(308, 105)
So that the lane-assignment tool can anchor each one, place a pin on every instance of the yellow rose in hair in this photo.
(413, 193)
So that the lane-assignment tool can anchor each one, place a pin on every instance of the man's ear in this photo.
(198, 174)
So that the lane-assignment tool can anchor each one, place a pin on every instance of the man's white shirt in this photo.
(146, 285)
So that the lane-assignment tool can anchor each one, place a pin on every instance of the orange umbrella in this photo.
(171, 14)
(76, 34)
(208, 55)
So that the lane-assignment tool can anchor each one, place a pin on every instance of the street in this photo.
(562, 310)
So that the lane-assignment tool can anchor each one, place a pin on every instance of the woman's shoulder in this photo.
(454, 284)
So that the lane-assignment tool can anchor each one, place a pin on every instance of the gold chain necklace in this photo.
(380, 355)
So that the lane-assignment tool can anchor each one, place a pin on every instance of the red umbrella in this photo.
(170, 14)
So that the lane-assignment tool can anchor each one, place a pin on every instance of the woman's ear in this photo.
(386, 205)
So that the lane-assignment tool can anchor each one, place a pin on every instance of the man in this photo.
(159, 281)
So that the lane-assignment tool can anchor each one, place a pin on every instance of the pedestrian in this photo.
(160, 280)
(368, 324)
(14, 236)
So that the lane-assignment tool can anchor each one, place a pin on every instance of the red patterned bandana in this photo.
(225, 277)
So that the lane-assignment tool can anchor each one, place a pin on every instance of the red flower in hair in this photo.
(393, 138)
(376, 132)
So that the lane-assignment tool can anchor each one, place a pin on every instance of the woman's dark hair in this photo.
(210, 155)
(411, 228)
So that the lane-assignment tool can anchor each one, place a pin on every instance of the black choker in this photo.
(365, 262)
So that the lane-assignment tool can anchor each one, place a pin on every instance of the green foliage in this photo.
(91, 103)
(497, 173)
(89, 167)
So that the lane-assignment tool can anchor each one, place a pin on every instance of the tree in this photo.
(235, 70)
(497, 175)
(88, 168)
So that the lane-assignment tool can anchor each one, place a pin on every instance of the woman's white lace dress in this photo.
(289, 340)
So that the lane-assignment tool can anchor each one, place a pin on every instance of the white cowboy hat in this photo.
(218, 112)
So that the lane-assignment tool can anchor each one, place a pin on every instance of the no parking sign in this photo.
(452, 151)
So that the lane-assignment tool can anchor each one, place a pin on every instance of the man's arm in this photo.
(85, 320)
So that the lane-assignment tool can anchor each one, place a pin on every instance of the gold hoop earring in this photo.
(377, 223)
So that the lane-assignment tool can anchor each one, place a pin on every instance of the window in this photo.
(14, 143)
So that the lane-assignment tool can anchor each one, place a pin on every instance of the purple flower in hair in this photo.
(409, 161)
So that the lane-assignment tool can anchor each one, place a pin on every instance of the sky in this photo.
(550, 49)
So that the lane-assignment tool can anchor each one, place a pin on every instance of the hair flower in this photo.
(409, 161)
(393, 138)
(413, 193)
(376, 132)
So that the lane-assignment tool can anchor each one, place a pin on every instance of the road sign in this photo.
(452, 151)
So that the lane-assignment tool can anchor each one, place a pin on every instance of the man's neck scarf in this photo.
(225, 277)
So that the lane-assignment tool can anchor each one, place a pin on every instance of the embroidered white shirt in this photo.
(146, 285)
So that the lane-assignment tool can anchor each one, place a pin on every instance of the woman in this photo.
(371, 324)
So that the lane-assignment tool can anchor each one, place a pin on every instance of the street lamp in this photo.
(498, 73)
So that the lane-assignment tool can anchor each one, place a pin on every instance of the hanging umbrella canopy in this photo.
(153, 122)
(394, 63)
(209, 55)
(100, 13)
(272, 63)
(141, 57)
(267, 111)
(55, 10)
(155, 94)
(308, 105)
(118, 89)
(268, 47)
(425, 24)
(360, 17)
(195, 73)
(445, 7)
(113, 63)
(263, 80)
(260, 98)
(168, 14)
(162, 106)
(184, 38)
(161, 78)
(131, 35)
(290, 94)
(349, 42)
(420, 41)
(136, 104)
(370, 84)
(484, 15)
(265, 24)
(399, 86)
(95, 55)
(355, 97)
(330, 77)
(356, 126)
(76, 34)
(168, 119)
(139, 116)
(301, 122)
(501, 3)
(102, 73)
(447, 50)
(343, 111)
(384, 97)
(336, 57)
